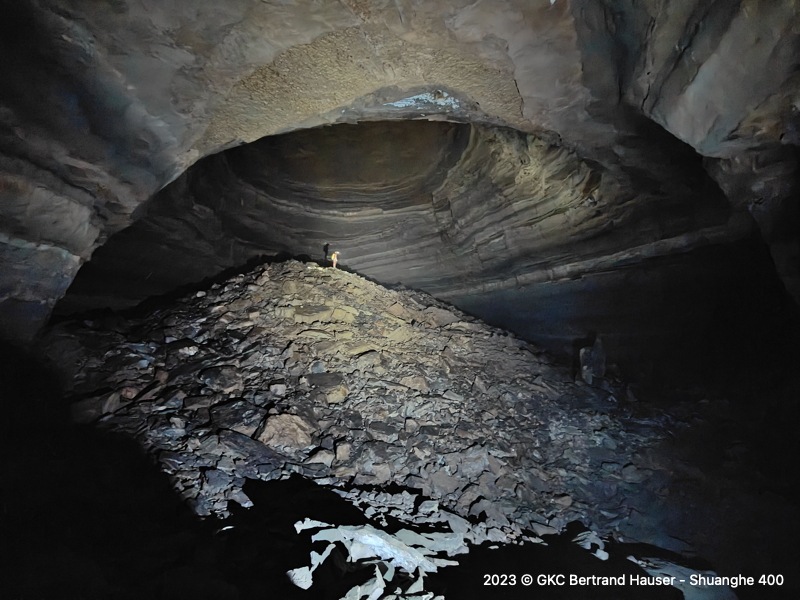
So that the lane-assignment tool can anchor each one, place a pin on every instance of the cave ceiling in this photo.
(492, 153)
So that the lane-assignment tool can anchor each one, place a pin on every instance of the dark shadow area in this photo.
(88, 515)
(105, 317)
(716, 320)
(550, 568)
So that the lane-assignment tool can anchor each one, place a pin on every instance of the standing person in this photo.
(335, 258)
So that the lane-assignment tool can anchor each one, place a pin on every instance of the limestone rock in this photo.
(238, 416)
(223, 378)
(289, 431)
(484, 425)
(649, 109)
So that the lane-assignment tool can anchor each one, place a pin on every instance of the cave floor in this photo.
(202, 427)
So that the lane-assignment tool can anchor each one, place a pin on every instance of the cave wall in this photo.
(451, 209)
(707, 315)
(517, 231)
(105, 103)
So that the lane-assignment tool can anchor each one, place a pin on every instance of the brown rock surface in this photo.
(286, 431)
(104, 104)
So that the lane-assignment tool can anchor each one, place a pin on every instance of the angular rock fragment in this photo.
(323, 457)
(239, 416)
(311, 313)
(289, 431)
(343, 381)
(223, 378)
(440, 317)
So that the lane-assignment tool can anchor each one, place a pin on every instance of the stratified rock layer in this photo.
(103, 104)
(491, 219)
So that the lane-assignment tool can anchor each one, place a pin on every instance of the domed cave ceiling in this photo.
(566, 170)
(485, 217)
(586, 136)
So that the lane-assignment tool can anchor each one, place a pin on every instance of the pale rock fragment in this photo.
(277, 389)
(450, 543)
(285, 312)
(418, 585)
(343, 450)
(661, 568)
(285, 430)
(479, 385)
(359, 348)
(428, 507)
(441, 483)
(314, 334)
(379, 543)
(372, 589)
(496, 535)
(563, 500)
(457, 524)
(345, 314)
(309, 524)
(440, 317)
(473, 461)
(323, 457)
(400, 335)
(336, 395)
(541, 530)
(302, 577)
(451, 395)
(240, 498)
(416, 382)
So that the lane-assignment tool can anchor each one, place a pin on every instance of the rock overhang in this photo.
(512, 227)
(154, 88)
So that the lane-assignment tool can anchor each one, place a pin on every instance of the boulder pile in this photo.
(294, 368)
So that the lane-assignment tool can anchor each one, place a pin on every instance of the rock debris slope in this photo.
(294, 368)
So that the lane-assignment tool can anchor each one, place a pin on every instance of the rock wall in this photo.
(520, 232)
(446, 208)
(105, 103)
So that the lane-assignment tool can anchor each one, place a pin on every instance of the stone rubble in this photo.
(406, 550)
(294, 368)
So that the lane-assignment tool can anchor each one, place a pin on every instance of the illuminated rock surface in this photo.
(436, 401)
(594, 137)
(582, 173)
